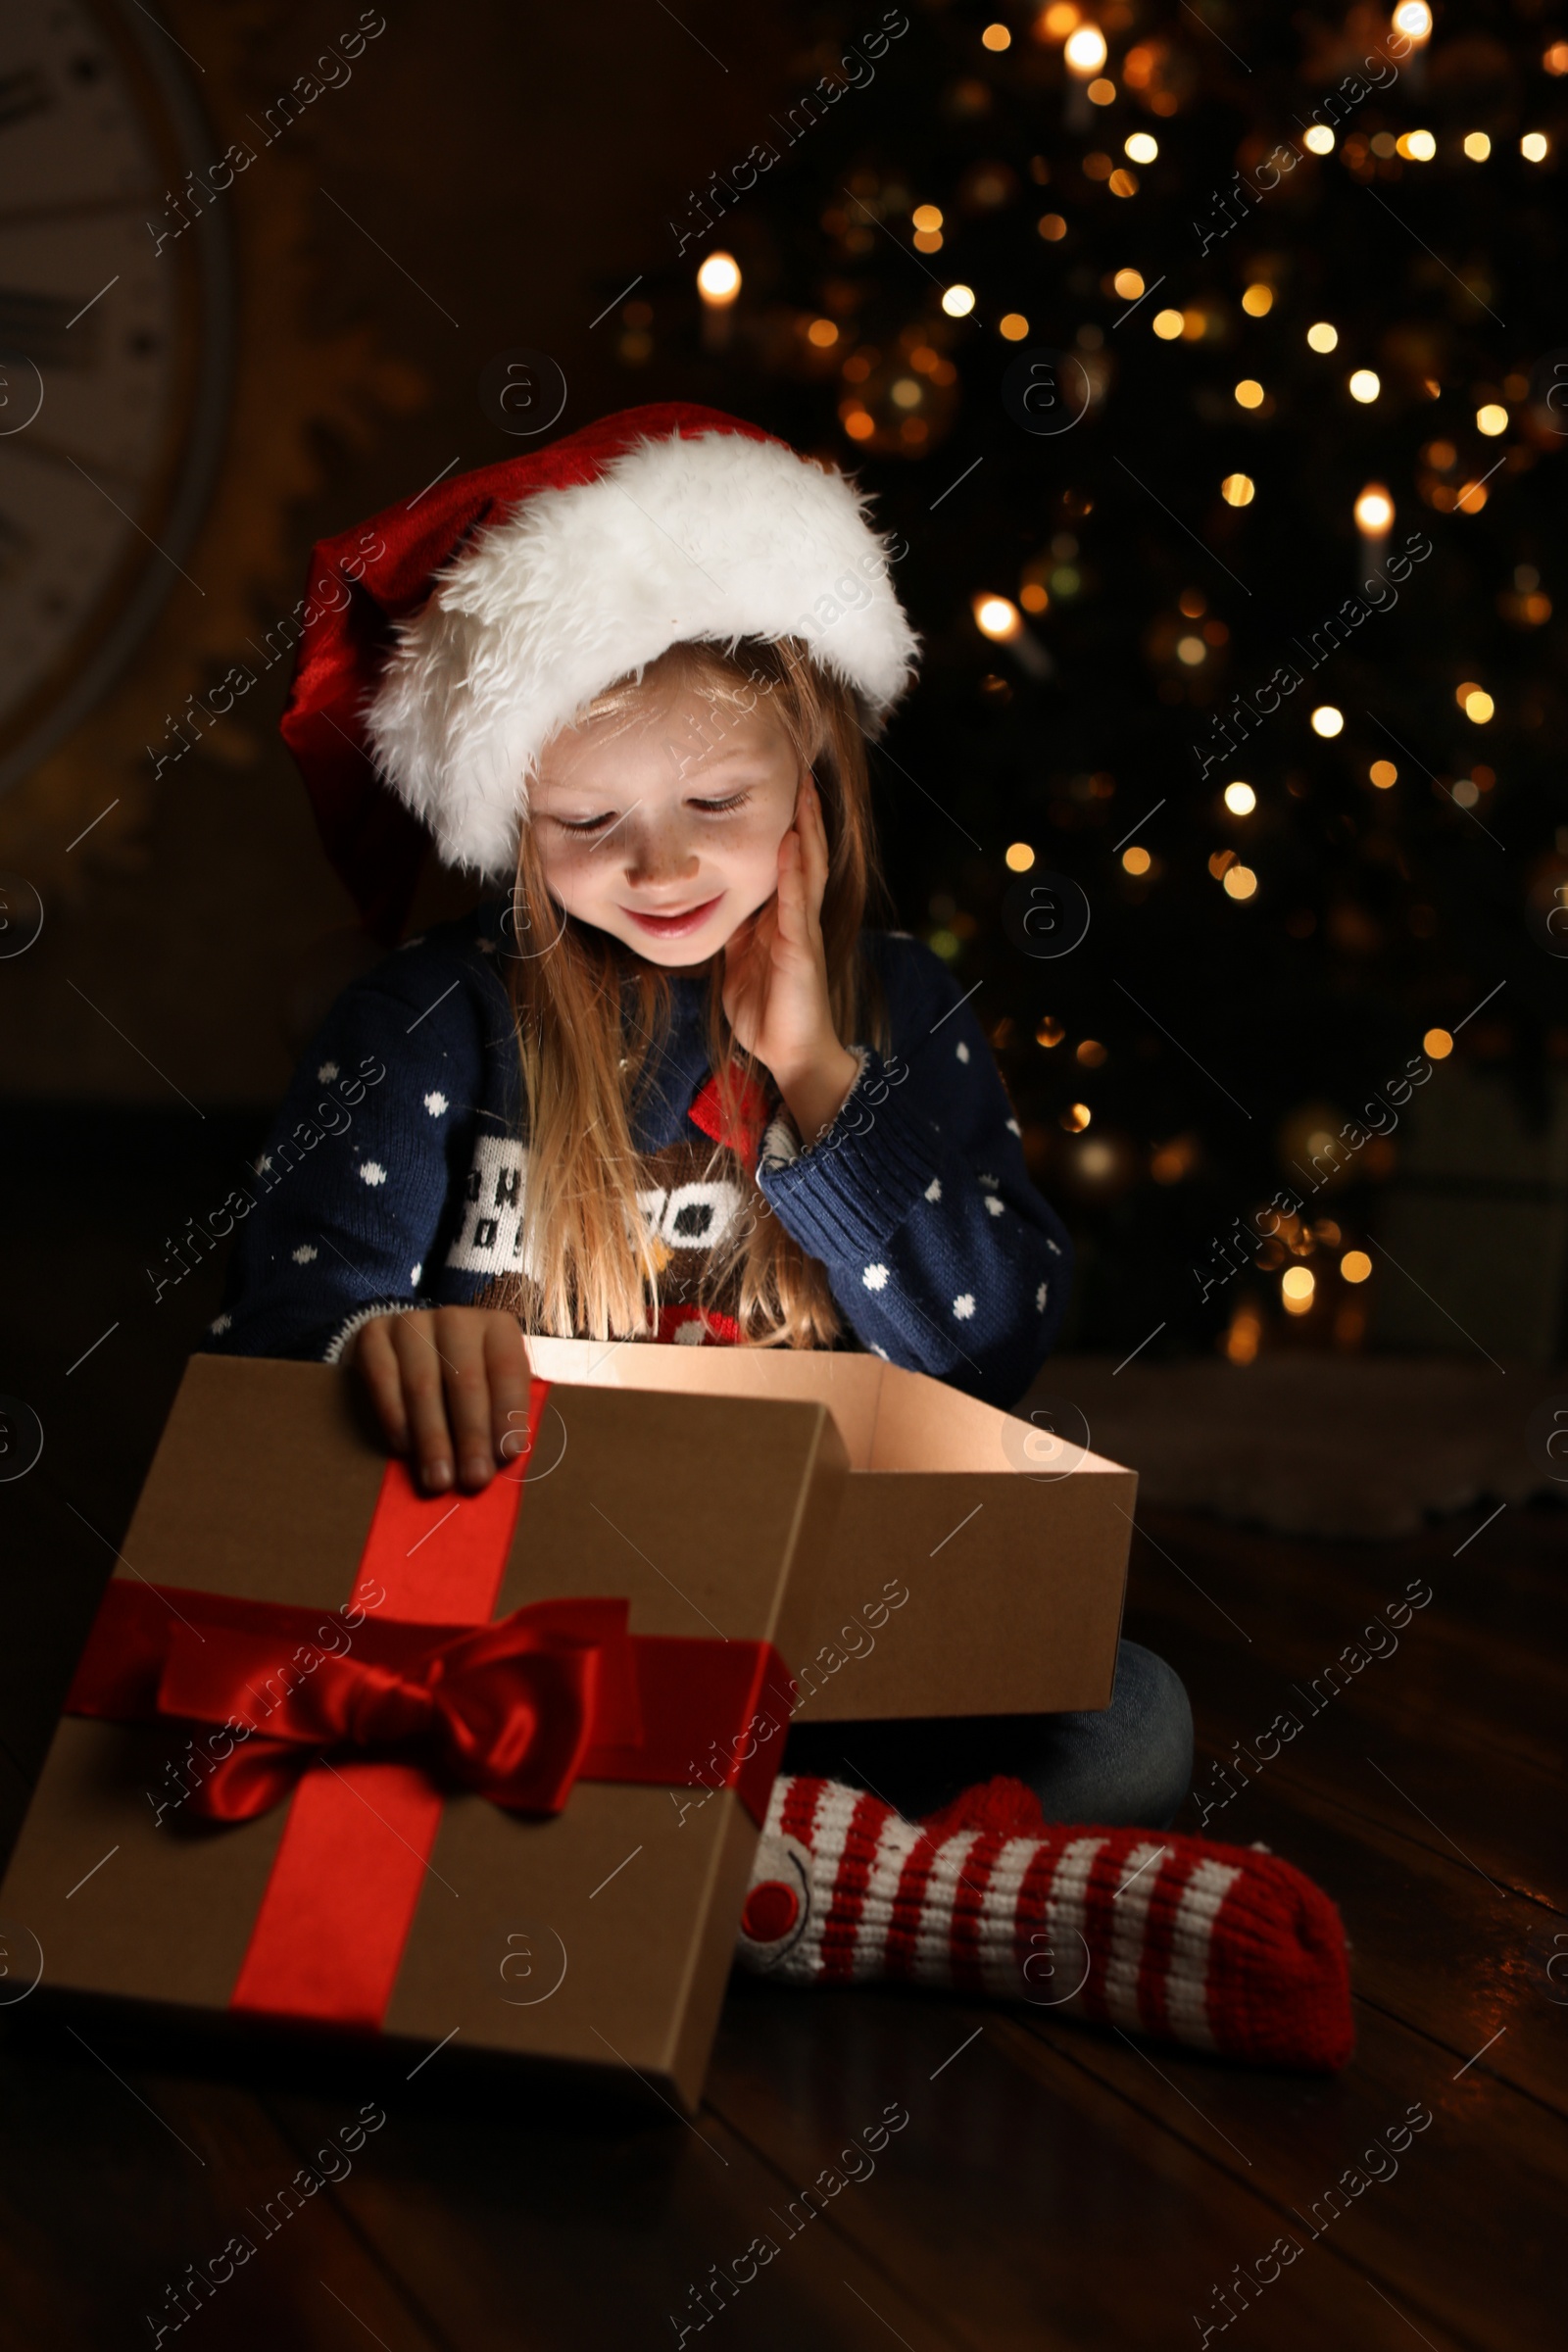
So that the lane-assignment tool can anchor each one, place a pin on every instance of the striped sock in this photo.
(1223, 1947)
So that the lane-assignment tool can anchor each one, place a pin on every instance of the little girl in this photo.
(662, 1085)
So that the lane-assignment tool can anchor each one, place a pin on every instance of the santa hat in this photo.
(446, 641)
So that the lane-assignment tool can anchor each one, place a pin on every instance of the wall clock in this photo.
(115, 351)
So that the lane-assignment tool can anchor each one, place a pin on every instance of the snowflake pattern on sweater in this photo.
(940, 1253)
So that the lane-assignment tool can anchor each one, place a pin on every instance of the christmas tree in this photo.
(1202, 361)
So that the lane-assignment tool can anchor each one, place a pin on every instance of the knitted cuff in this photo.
(849, 1192)
(783, 1142)
(1225, 1949)
(333, 1351)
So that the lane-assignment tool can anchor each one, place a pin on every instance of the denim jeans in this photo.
(1125, 1764)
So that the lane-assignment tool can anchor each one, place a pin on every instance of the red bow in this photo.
(517, 1711)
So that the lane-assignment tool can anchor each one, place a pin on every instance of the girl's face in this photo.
(665, 831)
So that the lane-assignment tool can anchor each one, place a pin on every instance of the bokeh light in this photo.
(1085, 50)
(718, 280)
(997, 617)
(1297, 1286)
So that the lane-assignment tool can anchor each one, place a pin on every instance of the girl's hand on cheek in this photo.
(775, 979)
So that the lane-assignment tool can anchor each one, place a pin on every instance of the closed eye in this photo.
(597, 824)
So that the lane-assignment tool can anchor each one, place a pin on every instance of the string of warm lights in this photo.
(1314, 829)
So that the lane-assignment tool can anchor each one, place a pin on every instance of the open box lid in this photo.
(1000, 1547)
(889, 1419)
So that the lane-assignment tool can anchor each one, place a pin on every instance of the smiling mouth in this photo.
(672, 926)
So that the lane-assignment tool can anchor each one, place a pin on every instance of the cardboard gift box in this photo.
(316, 1769)
(978, 1562)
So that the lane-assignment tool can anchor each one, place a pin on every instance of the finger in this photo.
(814, 841)
(792, 891)
(420, 1370)
(809, 834)
(507, 1365)
(468, 1395)
(378, 1368)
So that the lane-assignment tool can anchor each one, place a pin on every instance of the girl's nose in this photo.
(659, 853)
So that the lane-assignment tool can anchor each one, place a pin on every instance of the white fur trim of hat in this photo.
(715, 537)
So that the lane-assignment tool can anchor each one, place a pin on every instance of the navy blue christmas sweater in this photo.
(394, 1174)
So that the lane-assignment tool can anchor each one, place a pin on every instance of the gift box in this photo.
(978, 1562)
(483, 1769)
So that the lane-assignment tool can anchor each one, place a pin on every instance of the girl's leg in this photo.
(1131, 1762)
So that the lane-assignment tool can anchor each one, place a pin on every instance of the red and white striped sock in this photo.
(1226, 1948)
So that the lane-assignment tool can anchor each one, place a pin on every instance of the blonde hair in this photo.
(592, 1016)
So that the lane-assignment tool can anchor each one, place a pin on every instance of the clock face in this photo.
(113, 352)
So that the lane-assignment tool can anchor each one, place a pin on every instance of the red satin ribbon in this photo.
(517, 1711)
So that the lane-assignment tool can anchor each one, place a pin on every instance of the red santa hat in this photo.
(446, 641)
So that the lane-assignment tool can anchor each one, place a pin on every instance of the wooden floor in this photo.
(1054, 2185)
